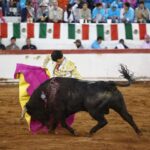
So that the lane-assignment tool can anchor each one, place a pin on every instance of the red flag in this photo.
(85, 31)
(30, 30)
(114, 32)
(3, 30)
(142, 31)
(56, 32)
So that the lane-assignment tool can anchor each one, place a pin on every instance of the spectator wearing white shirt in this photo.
(121, 45)
(146, 44)
(55, 13)
(68, 14)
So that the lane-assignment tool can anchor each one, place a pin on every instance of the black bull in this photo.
(61, 97)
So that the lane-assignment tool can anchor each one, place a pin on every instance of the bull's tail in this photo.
(127, 75)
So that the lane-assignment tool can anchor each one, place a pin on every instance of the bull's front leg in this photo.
(71, 130)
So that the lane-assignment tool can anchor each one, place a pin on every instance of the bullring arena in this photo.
(117, 135)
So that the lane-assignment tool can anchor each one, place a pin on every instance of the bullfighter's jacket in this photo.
(66, 69)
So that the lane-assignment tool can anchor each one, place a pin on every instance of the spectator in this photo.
(12, 45)
(76, 11)
(133, 3)
(43, 13)
(2, 19)
(2, 46)
(142, 13)
(62, 3)
(5, 7)
(114, 13)
(35, 6)
(119, 3)
(128, 13)
(146, 43)
(98, 14)
(68, 14)
(27, 13)
(121, 45)
(97, 44)
(12, 8)
(78, 44)
(56, 13)
(85, 13)
(108, 3)
(28, 45)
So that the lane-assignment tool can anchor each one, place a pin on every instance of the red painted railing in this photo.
(110, 51)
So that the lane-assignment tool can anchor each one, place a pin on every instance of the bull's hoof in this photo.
(76, 133)
(89, 135)
(52, 132)
(139, 133)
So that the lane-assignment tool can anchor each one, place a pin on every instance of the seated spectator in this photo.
(108, 3)
(12, 8)
(114, 13)
(97, 44)
(85, 13)
(28, 45)
(62, 3)
(68, 14)
(128, 13)
(12, 45)
(121, 45)
(78, 44)
(133, 3)
(98, 14)
(27, 13)
(147, 4)
(76, 11)
(55, 13)
(146, 43)
(142, 13)
(2, 19)
(43, 13)
(119, 3)
(2, 46)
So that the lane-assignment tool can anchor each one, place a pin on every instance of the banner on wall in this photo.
(66, 31)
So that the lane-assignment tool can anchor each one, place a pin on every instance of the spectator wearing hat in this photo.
(55, 13)
(146, 43)
(127, 15)
(78, 44)
(2, 46)
(97, 43)
(142, 14)
(114, 13)
(27, 13)
(43, 13)
(68, 14)
(85, 12)
(28, 45)
(98, 13)
(121, 45)
(12, 45)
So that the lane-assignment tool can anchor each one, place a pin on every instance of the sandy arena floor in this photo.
(117, 135)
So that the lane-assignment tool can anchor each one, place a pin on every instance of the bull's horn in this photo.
(24, 110)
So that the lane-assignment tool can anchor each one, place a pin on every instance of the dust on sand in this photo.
(117, 135)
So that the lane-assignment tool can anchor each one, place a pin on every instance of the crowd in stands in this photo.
(75, 11)
(97, 44)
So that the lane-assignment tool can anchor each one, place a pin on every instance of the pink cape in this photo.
(36, 76)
